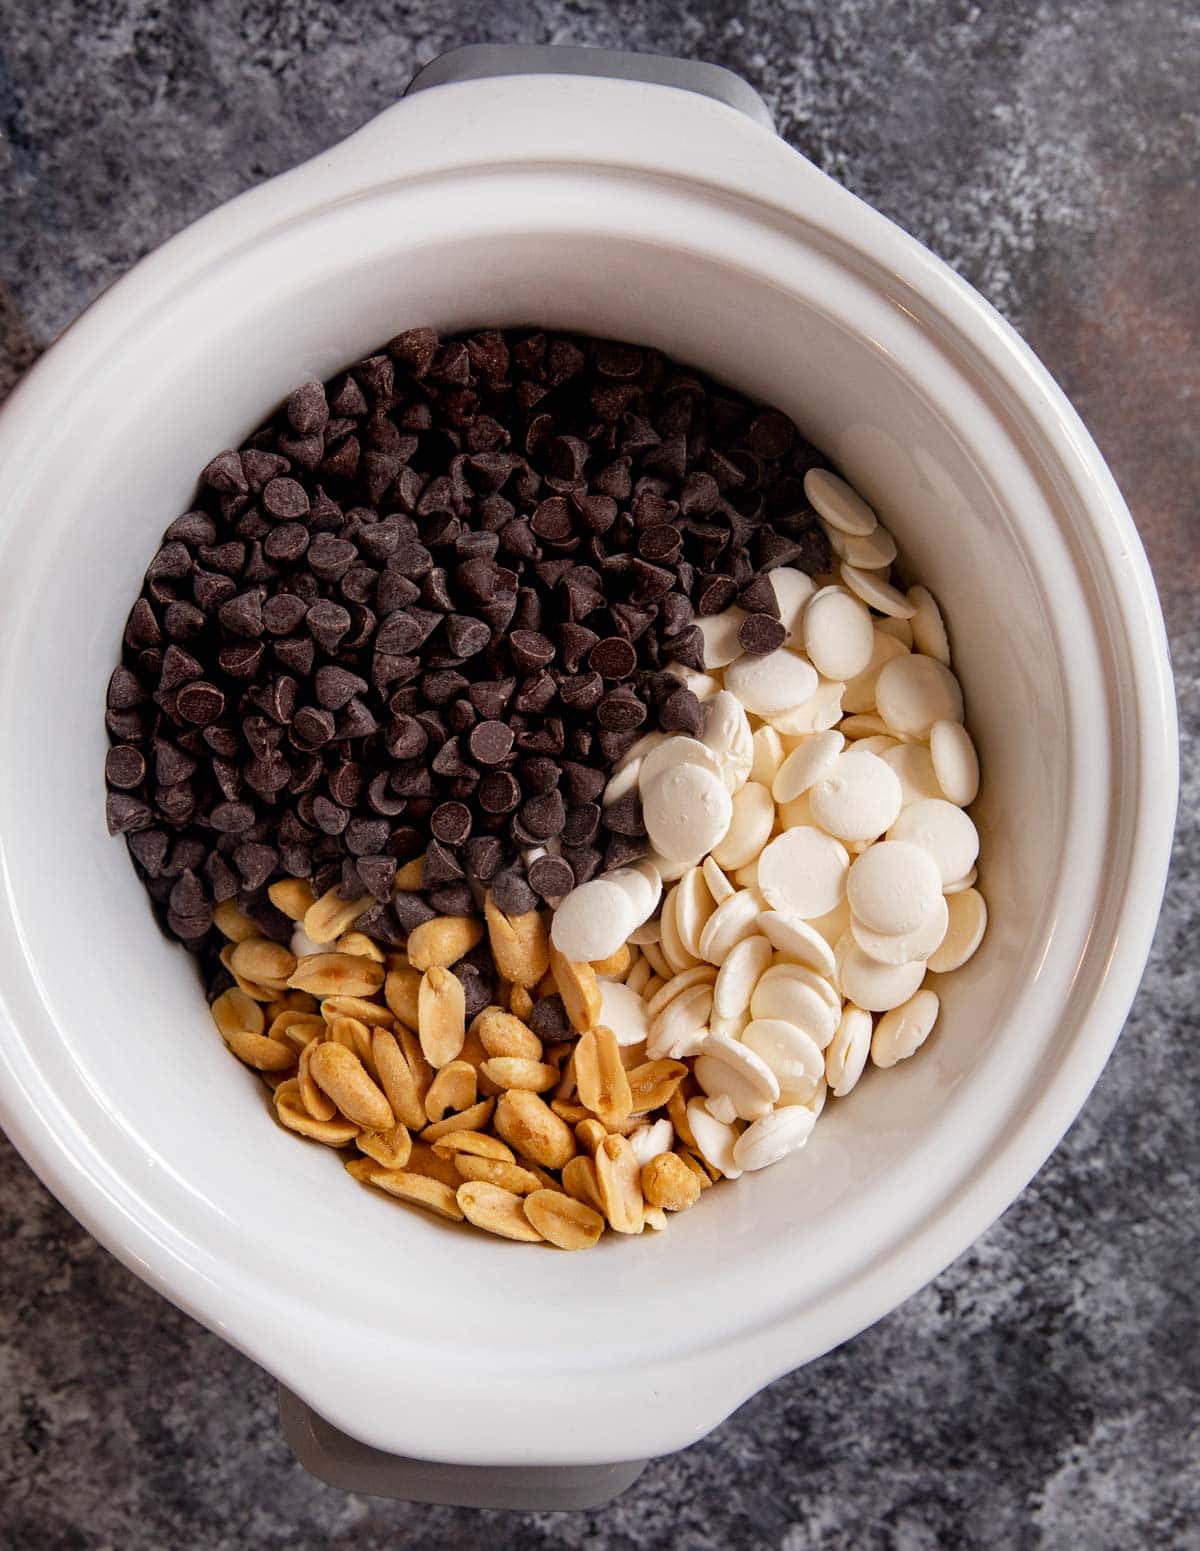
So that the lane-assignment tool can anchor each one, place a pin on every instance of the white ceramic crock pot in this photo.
(657, 214)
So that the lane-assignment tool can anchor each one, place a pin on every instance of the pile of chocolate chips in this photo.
(425, 608)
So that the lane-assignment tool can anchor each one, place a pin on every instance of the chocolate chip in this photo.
(759, 633)
(453, 899)
(551, 877)
(125, 767)
(499, 793)
(490, 742)
(200, 703)
(620, 712)
(543, 815)
(682, 712)
(715, 594)
(624, 816)
(411, 910)
(451, 823)
(549, 1020)
(441, 866)
(530, 650)
(483, 855)
(512, 894)
(613, 658)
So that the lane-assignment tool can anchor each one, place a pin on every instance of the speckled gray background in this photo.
(1043, 1392)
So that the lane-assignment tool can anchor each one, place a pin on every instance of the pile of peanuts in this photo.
(370, 1048)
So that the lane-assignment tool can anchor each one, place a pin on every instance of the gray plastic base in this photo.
(342, 1461)
(477, 61)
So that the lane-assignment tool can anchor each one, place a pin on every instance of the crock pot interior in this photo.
(129, 1042)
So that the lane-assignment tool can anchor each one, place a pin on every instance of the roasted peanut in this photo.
(497, 1211)
(293, 896)
(452, 1090)
(370, 1013)
(265, 962)
(579, 989)
(532, 1127)
(397, 1079)
(473, 1119)
(520, 944)
(401, 991)
(337, 974)
(520, 1003)
(231, 923)
(478, 1143)
(668, 1182)
(502, 1034)
(563, 1221)
(615, 966)
(360, 944)
(442, 941)
(340, 1074)
(652, 1084)
(297, 1028)
(514, 1072)
(441, 1015)
(600, 1078)
(319, 1105)
(328, 917)
(390, 1149)
(618, 1179)
(355, 1036)
(234, 1011)
(410, 876)
(289, 1107)
(494, 1171)
(579, 1181)
(263, 1054)
(589, 1134)
(420, 1189)
(697, 1170)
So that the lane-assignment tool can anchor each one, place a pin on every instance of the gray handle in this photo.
(477, 61)
(341, 1461)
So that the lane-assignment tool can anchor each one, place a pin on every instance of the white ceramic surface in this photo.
(657, 216)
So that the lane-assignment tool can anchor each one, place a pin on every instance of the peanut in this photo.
(337, 974)
(293, 896)
(290, 1110)
(600, 1078)
(359, 943)
(563, 1221)
(473, 1119)
(477, 1143)
(669, 1183)
(390, 1149)
(452, 1090)
(231, 923)
(233, 1010)
(265, 962)
(520, 944)
(441, 1015)
(397, 1079)
(370, 1013)
(579, 989)
(618, 1179)
(531, 1126)
(410, 876)
(401, 991)
(442, 941)
(340, 1074)
(514, 1072)
(502, 1034)
(497, 1211)
(319, 1105)
(260, 1052)
(616, 966)
(579, 1181)
(420, 1189)
(328, 917)
(652, 1084)
(494, 1171)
